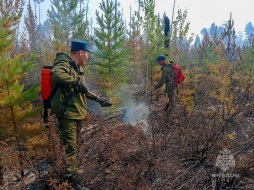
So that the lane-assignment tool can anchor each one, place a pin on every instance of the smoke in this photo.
(136, 114)
(133, 108)
(135, 111)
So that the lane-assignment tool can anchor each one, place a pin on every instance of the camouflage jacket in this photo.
(167, 77)
(67, 102)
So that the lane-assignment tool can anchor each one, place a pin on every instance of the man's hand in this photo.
(80, 86)
(103, 102)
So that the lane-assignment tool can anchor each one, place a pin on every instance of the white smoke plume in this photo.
(134, 108)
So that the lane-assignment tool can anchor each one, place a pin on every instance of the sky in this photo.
(200, 13)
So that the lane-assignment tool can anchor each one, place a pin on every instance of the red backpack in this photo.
(179, 74)
(46, 90)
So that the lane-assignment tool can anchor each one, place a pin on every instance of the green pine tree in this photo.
(178, 35)
(231, 50)
(82, 30)
(15, 100)
(30, 23)
(66, 22)
(154, 39)
(111, 52)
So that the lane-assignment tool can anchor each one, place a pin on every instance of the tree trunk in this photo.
(173, 13)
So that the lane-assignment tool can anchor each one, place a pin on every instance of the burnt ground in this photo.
(176, 149)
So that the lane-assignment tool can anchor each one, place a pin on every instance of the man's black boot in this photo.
(73, 180)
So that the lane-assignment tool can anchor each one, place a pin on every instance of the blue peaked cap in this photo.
(160, 57)
(77, 45)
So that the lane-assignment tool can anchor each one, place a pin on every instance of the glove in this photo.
(103, 102)
(80, 86)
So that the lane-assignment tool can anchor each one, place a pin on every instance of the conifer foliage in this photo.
(30, 22)
(110, 41)
(65, 21)
(15, 104)
(136, 44)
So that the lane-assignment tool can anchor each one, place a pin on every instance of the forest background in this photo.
(214, 108)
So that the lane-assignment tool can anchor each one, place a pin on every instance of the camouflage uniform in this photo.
(68, 105)
(167, 77)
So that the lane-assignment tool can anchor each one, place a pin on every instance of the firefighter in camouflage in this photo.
(168, 78)
(68, 103)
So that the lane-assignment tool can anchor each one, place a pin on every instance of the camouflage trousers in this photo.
(68, 133)
(171, 97)
(170, 93)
